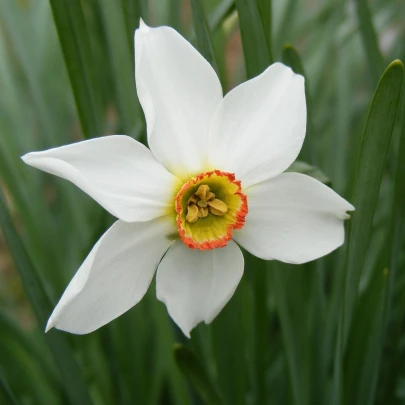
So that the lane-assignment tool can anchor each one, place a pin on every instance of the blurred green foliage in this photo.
(327, 332)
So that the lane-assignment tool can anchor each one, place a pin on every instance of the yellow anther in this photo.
(217, 207)
(202, 191)
(192, 213)
(210, 196)
(202, 203)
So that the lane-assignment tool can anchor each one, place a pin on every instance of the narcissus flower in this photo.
(212, 179)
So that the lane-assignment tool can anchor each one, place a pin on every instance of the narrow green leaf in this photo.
(132, 11)
(398, 207)
(393, 251)
(11, 330)
(260, 327)
(365, 342)
(337, 384)
(339, 150)
(255, 49)
(70, 373)
(198, 377)
(167, 365)
(291, 58)
(220, 13)
(370, 168)
(203, 35)
(266, 16)
(228, 334)
(290, 308)
(24, 355)
(375, 60)
(285, 24)
(5, 392)
(122, 61)
(74, 40)
(11, 17)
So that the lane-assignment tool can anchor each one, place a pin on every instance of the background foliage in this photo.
(327, 332)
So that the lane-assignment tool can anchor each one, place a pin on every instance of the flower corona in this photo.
(209, 207)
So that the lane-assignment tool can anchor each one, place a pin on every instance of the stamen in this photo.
(192, 213)
(203, 202)
(217, 207)
(210, 196)
(202, 191)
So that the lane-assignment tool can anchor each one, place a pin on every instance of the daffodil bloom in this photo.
(212, 179)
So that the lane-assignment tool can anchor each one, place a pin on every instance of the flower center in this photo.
(203, 202)
(209, 207)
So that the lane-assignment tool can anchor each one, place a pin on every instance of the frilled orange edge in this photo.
(213, 231)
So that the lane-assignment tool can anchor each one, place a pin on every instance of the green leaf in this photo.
(266, 16)
(285, 23)
(370, 169)
(255, 48)
(291, 58)
(12, 17)
(5, 392)
(365, 342)
(220, 13)
(398, 207)
(166, 364)
(198, 377)
(70, 373)
(132, 12)
(75, 43)
(291, 312)
(203, 35)
(260, 326)
(394, 247)
(121, 56)
(339, 151)
(375, 60)
(229, 347)
(26, 363)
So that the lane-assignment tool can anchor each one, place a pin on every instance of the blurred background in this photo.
(327, 332)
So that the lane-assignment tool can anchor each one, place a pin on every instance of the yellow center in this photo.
(209, 207)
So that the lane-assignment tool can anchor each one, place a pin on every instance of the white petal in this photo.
(195, 285)
(293, 218)
(259, 128)
(120, 173)
(114, 277)
(179, 92)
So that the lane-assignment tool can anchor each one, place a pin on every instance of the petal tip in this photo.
(298, 76)
(49, 325)
(142, 26)
(186, 333)
(25, 158)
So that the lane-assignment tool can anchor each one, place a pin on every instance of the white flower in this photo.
(213, 176)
